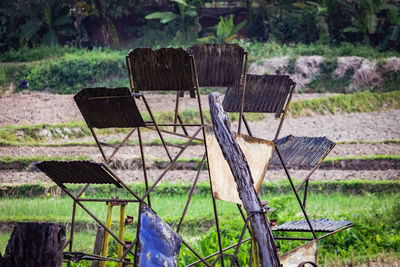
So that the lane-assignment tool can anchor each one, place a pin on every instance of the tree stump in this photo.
(35, 244)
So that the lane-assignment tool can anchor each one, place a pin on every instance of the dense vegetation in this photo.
(62, 46)
(115, 23)
(67, 70)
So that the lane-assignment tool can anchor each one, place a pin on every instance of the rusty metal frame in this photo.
(77, 200)
(154, 126)
(305, 182)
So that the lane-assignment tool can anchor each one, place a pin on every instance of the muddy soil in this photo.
(12, 177)
(158, 152)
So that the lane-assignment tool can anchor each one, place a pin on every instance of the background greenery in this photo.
(66, 69)
(62, 46)
(111, 23)
(373, 208)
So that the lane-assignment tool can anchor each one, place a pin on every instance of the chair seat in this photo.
(321, 225)
(77, 172)
(109, 108)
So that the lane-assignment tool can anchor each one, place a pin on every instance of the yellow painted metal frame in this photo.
(121, 231)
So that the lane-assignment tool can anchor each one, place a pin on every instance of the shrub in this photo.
(71, 72)
(26, 54)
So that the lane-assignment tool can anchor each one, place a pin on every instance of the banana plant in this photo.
(186, 17)
(52, 19)
(323, 18)
(226, 31)
(365, 18)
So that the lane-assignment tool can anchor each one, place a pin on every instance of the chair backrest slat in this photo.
(264, 94)
(165, 69)
(77, 172)
(218, 64)
(108, 108)
(302, 151)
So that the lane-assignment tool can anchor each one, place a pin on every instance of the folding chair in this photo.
(85, 172)
(168, 69)
(272, 94)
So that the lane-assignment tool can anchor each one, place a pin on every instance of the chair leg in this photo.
(121, 232)
(305, 194)
(157, 128)
(106, 234)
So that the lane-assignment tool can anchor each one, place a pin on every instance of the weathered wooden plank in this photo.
(258, 153)
(98, 245)
(241, 172)
(164, 69)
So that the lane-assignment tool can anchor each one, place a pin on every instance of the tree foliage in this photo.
(29, 23)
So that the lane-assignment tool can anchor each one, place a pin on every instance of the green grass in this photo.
(364, 157)
(376, 217)
(271, 49)
(26, 54)
(24, 162)
(256, 50)
(351, 103)
(354, 187)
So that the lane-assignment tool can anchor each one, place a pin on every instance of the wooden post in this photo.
(98, 245)
(241, 172)
(35, 244)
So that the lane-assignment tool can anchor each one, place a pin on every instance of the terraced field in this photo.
(367, 143)
(38, 126)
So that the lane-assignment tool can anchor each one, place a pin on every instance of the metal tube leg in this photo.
(106, 234)
(121, 232)
(305, 194)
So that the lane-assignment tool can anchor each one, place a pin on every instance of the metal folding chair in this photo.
(272, 94)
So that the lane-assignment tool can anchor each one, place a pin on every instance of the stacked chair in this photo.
(170, 69)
